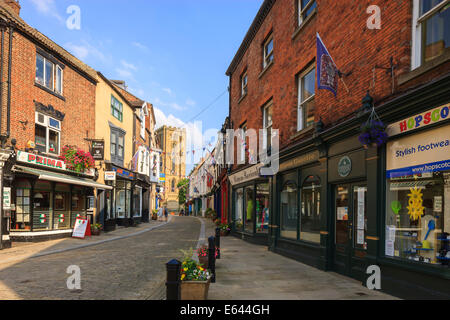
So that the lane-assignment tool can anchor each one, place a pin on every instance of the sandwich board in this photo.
(81, 229)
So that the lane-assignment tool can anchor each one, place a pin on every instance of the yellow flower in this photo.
(183, 276)
(185, 269)
(201, 269)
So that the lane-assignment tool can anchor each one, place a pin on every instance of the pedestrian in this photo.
(166, 213)
(160, 213)
(182, 212)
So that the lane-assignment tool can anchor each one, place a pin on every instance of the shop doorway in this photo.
(350, 222)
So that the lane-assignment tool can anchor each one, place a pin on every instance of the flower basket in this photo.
(195, 290)
(95, 232)
(76, 159)
(96, 229)
(373, 132)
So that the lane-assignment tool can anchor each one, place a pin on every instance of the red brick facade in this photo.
(355, 48)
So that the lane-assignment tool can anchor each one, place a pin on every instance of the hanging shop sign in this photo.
(345, 167)
(162, 177)
(420, 153)
(299, 161)
(98, 150)
(6, 198)
(419, 121)
(246, 175)
(110, 176)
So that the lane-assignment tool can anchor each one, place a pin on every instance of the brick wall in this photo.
(78, 91)
(356, 49)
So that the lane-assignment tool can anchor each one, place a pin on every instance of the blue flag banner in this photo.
(327, 72)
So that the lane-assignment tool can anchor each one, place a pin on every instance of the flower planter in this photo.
(95, 232)
(224, 233)
(194, 290)
(203, 261)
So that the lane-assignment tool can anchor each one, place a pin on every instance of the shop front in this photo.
(251, 205)
(416, 217)
(123, 195)
(141, 198)
(47, 198)
(300, 205)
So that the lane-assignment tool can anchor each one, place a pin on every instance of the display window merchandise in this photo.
(418, 198)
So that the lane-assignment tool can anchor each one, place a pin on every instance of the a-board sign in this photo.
(81, 229)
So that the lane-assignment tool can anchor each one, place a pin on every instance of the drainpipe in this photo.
(8, 111)
(1, 76)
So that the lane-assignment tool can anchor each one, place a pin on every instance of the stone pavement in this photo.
(251, 272)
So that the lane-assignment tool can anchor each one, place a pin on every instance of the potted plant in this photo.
(76, 159)
(154, 214)
(96, 229)
(202, 254)
(195, 279)
(224, 229)
(373, 133)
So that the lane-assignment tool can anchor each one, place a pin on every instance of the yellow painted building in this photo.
(114, 118)
(173, 163)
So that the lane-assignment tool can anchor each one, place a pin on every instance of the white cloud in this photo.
(128, 65)
(172, 105)
(190, 102)
(85, 50)
(168, 90)
(140, 46)
(48, 8)
(124, 73)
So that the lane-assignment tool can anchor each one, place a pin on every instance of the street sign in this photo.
(98, 150)
(6, 198)
(110, 176)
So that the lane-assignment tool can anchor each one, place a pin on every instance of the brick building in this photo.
(47, 102)
(329, 204)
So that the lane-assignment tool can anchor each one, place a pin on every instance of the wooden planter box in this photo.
(95, 232)
(203, 261)
(194, 290)
(224, 233)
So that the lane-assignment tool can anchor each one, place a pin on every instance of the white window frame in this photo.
(267, 126)
(300, 103)
(142, 118)
(416, 54)
(47, 127)
(244, 85)
(302, 11)
(268, 54)
(62, 80)
(55, 73)
(243, 131)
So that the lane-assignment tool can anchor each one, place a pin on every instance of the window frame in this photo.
(46, 125)
(301, 17)
(55, 68)
(301, 121)
(114, 108)
(244, 87)
(267, 55)
(267, 143)
(417, 54)
(116, 158)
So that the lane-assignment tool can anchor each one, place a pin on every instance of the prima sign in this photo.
(40, 161)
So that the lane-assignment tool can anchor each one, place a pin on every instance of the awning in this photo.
(58, 177)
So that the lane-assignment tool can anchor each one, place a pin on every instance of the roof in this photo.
(22, 26)
(115, 88)
(134, 101)
(256, 24)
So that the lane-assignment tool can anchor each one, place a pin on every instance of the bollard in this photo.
(218, 242)
(173, 287)
(212, 258)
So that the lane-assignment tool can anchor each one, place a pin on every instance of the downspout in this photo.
(8, 114)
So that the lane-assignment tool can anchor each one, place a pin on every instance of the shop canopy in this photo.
(63, 178)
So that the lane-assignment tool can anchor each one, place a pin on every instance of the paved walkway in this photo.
(250, 272)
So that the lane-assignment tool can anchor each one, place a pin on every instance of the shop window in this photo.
(305, 9)
(289, 211)
(306, 102)
(418, 218)
(431, 30)
(116, 108)
(21, 220)
(239, 209)
(42, 208)
(249, 208)
(310, 210)
(267, 126)
(137, 202)
(262, 208)
(47, 134)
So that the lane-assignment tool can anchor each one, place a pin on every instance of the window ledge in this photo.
(50, 91)
(424, 68)
(302, 132)
(242, 98)
(265, 69)
(304, 23)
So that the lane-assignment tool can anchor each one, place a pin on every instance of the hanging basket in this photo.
(373, 132)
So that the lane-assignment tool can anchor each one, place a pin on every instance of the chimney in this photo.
(14, 5)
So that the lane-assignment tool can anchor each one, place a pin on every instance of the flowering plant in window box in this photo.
(77, 159)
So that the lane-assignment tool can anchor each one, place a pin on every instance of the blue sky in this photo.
(172, 53)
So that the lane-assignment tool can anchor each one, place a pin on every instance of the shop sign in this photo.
(98, 150)
(123, 173)
(419, 121)
(246, 175)
(345, 167)
(420, 153)
(299, 161)
(110, 176)
(40, 161)
(6, 198)
(162, 177)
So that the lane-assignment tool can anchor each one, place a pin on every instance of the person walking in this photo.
(166, 213)
(160, 213)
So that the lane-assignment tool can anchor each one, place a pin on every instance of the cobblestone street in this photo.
(128, 268)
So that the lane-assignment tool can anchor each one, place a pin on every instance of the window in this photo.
(431, 30)
(21, 220)
(249, 208)
(262, 208)
(117, 146)
(243, 144)
(239, 218)
(305, 8)
(289, 213)
(47, 134)
(310, 210)
(142, 120)
(49, 75)
(306, 103)
(267, 126)
(173, 185)
(244, 80)
(268, 51)
(116, 108)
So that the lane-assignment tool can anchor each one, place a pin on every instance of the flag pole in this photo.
(346, 88)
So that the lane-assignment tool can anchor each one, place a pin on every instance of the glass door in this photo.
(350, 226)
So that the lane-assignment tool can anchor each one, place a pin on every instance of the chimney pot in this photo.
(13, 4)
